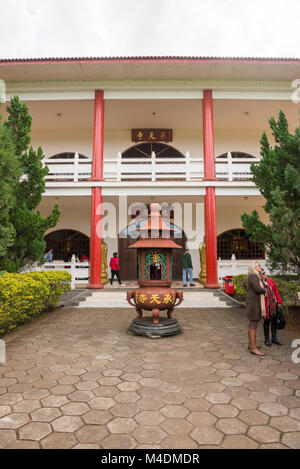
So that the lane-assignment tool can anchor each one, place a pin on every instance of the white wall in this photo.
(58, 141)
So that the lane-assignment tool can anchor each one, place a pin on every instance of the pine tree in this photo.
(277, 176)
(28, 223)
(10, 172)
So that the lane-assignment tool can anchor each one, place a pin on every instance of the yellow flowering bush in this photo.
(26, 296)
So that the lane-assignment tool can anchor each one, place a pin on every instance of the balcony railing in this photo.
(149, 169)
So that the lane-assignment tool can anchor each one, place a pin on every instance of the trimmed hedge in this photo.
(288, 286)
(27, 296)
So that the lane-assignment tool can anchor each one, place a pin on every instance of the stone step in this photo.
(192, 299)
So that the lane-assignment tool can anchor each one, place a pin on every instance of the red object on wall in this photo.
(96, 209)
(229, 287)
(210, 197)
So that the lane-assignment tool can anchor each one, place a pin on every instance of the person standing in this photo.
(255, 304)
(48, 257)
(115, 268)
(187, 267)
(271, 299)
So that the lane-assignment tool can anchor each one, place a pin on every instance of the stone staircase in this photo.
(116, 298)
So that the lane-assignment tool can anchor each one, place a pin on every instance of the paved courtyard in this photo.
(77, 379)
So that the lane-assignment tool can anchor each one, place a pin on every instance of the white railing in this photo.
(149, 169)
(69, 170)
(236, 267)
(234, 169)
(80, 271)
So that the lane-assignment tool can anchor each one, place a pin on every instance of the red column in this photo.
(210, 197)
(96, 209)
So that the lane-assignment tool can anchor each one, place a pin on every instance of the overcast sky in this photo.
(90, 28)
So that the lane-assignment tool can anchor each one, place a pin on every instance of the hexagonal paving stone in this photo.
(231, 426)
(59, 441)
(7, 437)
(119, 442)
(207, 436)
(101, 403)
(295, 413)
(36, 394)
(68, 424)
(149, 417)
(124, 410)
(149, 435)
(285, 424)
(74, 408)
(173, 397)
(11, 398)
(13, 421)
(174, 411)
(35, 431)
(46, 414)
(178, 442)
(127, 397)
(218, 398)
(122, 425)
(253, 417)
(176, 427)
(81, 396)
(239, 442)
(286, 376)
(54, 401)
(23, 444)
(292, 440)
(223, 410)
(273, 409)
(150, 382)
(202, 419)
(97, 417)
(131, 377)
(264, 434)
(5, 409)
(262, 396)
(129, 386)
(91, 434)
(200, 405)
(231, 382)
(244, 404)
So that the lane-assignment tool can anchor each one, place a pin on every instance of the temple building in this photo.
(122, 133)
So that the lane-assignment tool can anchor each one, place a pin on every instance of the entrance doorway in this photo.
(128, 257)
(67, 242)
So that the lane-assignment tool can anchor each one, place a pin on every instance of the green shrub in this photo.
(26, 296)
(240, 286)
(287, 285)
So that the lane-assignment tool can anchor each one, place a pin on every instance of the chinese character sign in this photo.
(152, 135)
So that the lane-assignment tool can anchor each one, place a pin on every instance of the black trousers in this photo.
(273, 323)
(113, 274)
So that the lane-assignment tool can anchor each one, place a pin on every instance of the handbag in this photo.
(280, 319)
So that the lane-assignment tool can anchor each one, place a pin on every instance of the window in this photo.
(144, 150)
(237, 242)
(66, 156)
(236, 154)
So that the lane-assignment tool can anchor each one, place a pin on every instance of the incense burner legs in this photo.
(154, 299)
